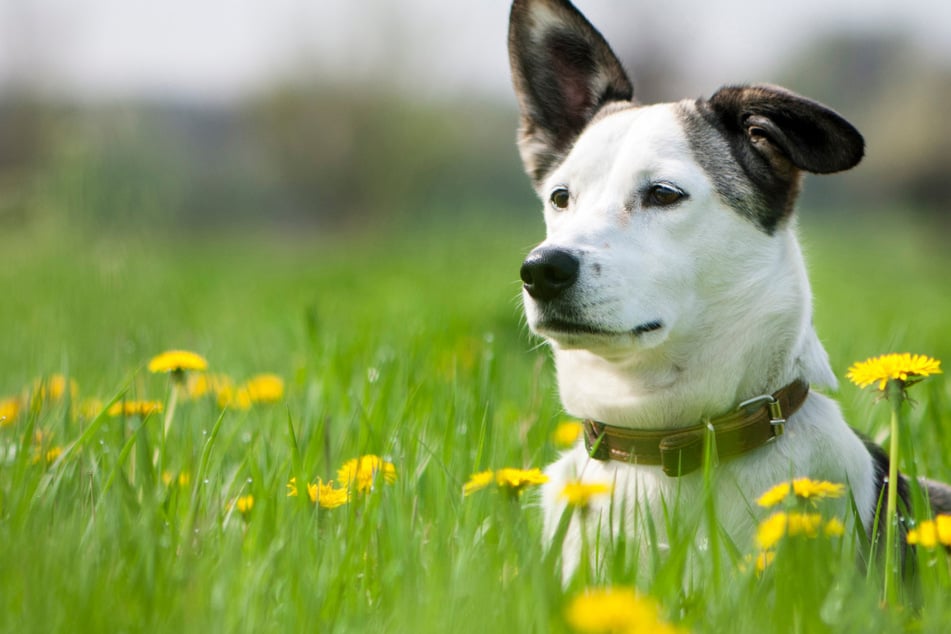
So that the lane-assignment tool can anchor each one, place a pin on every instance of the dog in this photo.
(672, 290)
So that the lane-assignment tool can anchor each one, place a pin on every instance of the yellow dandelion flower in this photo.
(764, 559)
(943, 528)
(802, 488)
(265, 388)
(48, 456)
(177, 361)
(579, 494)
(327, 495)
(774, 495)
(924, 534)
(9, 410)
(771, 530)
(806, 524)
(566, 434)
(182, 479)
(930, 533)
(53, 388)
(244, 504)
(89, 408)
(904, 367)
(135, 408)
(202, 383)
(834, 528)
(795, 524)
(360, 473)
(517, 479)
(760, 562)
(292, 488)
(478, 481)
(806, 489)
(234, 398)
(615, 610)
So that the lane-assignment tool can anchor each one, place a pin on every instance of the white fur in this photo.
(736, 311)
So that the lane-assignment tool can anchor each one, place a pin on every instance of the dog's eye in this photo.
(560, 198)
(663, 195)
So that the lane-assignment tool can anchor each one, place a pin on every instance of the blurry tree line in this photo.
(347, 156)
(329, 157)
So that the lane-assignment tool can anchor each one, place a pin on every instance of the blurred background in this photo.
(330, 116)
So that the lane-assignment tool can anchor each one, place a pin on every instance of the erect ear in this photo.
(787, 130)
(563, 72)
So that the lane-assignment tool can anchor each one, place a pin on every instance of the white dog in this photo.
(671, 286)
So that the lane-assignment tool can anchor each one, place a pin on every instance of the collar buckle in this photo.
(776, 417)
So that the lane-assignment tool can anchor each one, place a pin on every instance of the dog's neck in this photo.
(751, 340)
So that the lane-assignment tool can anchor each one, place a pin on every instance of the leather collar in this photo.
(751, 425)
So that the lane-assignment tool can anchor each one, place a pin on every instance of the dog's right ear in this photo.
(563, 72)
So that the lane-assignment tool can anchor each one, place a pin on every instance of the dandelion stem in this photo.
(166, 425)
(895, 393)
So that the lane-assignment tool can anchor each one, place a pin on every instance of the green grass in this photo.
(410, 346)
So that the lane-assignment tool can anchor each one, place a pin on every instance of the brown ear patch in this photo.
(813, 137)
(755, 142)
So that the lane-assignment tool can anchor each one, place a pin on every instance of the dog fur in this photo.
(671, 286)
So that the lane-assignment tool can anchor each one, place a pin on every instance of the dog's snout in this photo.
(548, 271)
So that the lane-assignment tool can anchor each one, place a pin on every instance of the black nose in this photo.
(547, 271)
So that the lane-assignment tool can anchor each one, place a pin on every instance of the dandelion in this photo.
(566, 434)
(801, 488)
(244, 504)
(943, 525)
(234, 398)
(514, 481)
(930, 533)
(764, 559)
(182, 479)
(360, 473)
(924, 534)
(49, 456)
(200, 384)
(135, 408)
(89, 408)
(326, 495)
(615, 610)
(265, 388)
(795, 524)
(771, 530)
(905, 367)
(54, 387)
(177, 362)
(478, 481)
(9, 410)
(579, 494)
(761, 561)
(893, 374)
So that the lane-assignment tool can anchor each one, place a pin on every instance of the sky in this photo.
(219, 50)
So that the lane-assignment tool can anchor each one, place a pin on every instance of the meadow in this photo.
(409, 345)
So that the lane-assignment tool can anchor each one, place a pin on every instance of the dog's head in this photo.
(666, 224)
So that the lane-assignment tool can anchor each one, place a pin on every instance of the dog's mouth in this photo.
(556, 327)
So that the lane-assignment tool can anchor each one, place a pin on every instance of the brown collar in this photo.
(679, 451)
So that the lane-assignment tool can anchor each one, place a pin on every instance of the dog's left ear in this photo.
(786, 130)
(563, 72)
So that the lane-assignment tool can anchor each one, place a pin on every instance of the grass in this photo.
(410, 347)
